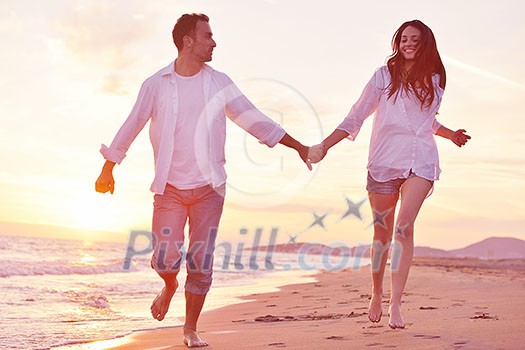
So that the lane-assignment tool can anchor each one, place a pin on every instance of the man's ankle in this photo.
(188, 329)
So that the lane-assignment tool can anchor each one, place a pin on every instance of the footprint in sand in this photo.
(427, 308)
(484, 316)
(335, 337)
(374, 344)
(267, 318)
(459, 344)
(278, 345)
(425, 336)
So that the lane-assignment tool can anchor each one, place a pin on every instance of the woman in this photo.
(403, 159)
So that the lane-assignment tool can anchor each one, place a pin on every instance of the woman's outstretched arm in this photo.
(459, 137)
(318, 152)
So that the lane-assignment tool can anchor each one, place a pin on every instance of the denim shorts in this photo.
(389, 187)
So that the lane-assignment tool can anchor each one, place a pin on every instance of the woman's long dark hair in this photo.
(427, 63)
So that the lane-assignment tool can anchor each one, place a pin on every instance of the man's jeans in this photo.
(203, 207)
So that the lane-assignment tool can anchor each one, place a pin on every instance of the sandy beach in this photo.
(448, 304)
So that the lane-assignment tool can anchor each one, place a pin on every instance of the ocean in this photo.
(61, 292)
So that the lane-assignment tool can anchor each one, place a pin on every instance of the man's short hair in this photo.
(186, 26)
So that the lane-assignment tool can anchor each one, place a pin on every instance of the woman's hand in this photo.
(460, 137)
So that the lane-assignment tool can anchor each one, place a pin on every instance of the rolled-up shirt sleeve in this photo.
(243, 113)
(435, 126)
(364, 107)
(135, 122)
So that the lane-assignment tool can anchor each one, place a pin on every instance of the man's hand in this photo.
(460, 137)
(105, 181)
(317, 153)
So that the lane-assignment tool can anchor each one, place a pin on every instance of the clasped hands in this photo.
(316, 153)
(313, 154)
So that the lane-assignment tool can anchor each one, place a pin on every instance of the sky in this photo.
(70, 72)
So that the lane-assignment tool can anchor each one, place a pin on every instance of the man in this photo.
(187, 103)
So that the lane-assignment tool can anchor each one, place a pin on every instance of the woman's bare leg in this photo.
(383, 209)
(413, 193)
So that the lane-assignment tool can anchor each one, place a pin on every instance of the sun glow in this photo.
(90, 210)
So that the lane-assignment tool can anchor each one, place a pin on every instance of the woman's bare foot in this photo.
(396, 320)
(161, 304)
(192, 340)
(375, 310)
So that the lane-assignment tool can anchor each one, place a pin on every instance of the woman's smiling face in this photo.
(410, 39)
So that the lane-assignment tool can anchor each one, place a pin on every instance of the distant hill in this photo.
(490, 248)
(493, 248)
(431, 252)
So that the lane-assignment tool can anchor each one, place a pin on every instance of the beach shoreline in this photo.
(448, 304)
(264, 283)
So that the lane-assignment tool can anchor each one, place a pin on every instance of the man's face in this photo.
(202, 44)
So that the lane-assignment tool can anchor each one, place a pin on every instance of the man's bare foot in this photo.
(161, 304)
(395, 320)
(375, 310)
(192, 340)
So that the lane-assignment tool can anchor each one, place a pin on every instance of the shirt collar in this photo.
(170, 69)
